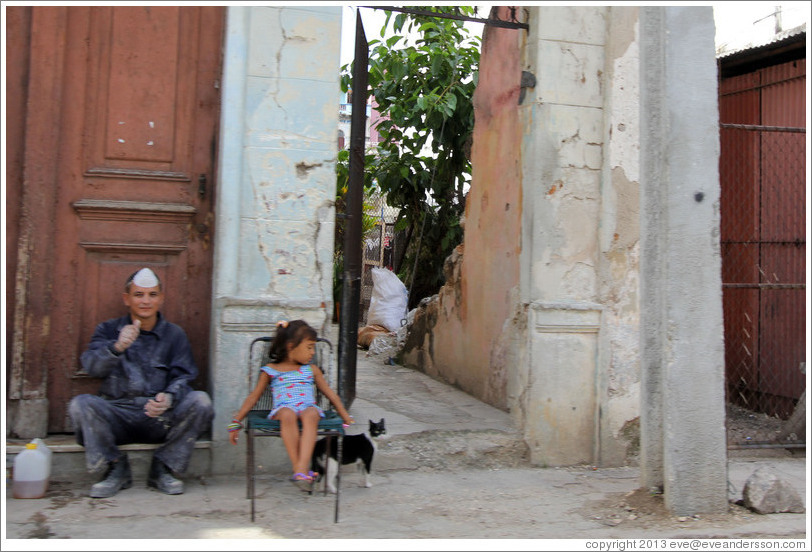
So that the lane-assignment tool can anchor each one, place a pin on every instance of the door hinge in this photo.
(201, 186)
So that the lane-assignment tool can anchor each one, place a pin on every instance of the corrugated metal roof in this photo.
(788, 36)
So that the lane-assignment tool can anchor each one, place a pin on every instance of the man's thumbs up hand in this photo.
(127, 336)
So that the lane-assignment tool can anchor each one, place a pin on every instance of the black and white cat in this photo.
(358, 449)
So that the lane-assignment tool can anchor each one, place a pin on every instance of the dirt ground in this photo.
(444, 482)
(745, 425)
(641, 509)
(450, 501)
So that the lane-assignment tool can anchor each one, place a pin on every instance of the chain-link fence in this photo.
(763, 199)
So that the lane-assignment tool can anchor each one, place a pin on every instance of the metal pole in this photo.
(492, 22)
(351, 285)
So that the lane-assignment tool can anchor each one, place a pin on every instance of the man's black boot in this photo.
(118, 477)
(162, 479)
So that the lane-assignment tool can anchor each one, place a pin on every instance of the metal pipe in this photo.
(491, 22)
(766, 446)
(763, 127)
(351, 284)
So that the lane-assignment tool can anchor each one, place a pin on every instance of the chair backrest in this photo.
(258, 357)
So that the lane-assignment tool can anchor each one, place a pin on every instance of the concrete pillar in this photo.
(682, 356)
(275, 219)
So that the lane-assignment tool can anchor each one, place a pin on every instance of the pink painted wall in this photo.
(462, 347)
(374, 119)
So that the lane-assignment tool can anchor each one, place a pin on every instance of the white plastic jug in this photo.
(43, 448)
(30, 473)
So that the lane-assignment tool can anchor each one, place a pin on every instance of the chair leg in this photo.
(249, 468)
(248, 450)
(327, 449)
(338, 475)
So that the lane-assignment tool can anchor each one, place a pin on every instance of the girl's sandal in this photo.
(304, 482)
(314, 477)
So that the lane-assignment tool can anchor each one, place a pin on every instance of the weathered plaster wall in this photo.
(618, 238)
(469, 335)
(275, 216)
(620, 269)
(552, 339)
(563, 156)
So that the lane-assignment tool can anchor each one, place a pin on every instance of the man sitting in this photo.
(146, 365)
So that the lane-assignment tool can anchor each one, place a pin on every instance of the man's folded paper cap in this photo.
(145, 278)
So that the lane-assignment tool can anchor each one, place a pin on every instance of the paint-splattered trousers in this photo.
(103, 424)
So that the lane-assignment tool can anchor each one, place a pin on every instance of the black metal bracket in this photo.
(491, 22)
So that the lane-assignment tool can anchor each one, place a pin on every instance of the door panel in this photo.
(140, 106)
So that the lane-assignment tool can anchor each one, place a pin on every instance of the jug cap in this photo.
(30, 445)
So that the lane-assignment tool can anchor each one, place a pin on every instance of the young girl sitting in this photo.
(292, 377)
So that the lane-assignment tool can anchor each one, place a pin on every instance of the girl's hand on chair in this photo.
(348, 421)
(234, 431)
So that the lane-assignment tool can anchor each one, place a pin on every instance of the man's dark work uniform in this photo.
(145, 395)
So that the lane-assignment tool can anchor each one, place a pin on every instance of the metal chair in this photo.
(257, 424)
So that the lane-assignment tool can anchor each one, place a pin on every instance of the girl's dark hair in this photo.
(295, 332)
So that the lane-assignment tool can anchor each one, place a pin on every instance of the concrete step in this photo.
(432, 450)
(426, 450)
(68, 459)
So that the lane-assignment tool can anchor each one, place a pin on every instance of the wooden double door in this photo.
(117, 167)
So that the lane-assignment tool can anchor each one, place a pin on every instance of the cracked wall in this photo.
(464, 336)
(618, 383)
(542, 319)
(577, 394)
(275, 209)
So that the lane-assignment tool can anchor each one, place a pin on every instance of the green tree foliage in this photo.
(423, 89)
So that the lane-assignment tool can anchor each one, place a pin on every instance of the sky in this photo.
(741, 24)
(737, 23)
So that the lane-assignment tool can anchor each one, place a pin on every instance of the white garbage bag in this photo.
(389, 301)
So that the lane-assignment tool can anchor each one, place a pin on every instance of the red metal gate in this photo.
(762, 172)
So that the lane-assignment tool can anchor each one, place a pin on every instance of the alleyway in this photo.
(449, 467)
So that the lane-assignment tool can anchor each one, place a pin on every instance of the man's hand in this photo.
(127, 336)
(157, 406)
